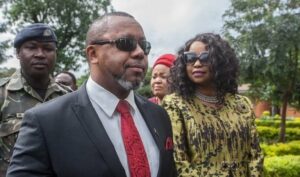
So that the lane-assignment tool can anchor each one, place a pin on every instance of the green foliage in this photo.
(276, 123)
(145, 89)
(82, 79)
(282, 166)
(266, 36)
(3, 44)
(271, 135)
(69, 18)
(280, 149)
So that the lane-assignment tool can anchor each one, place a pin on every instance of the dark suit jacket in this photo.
(65, 138)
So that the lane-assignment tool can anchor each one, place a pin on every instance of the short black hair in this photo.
(99, 31)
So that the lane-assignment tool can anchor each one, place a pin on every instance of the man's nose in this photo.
(158, 80)
(138, 52)
(40, 52)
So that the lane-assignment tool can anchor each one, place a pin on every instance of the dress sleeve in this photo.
(181, 150)
(256, 160)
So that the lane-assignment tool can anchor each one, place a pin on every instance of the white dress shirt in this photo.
(105, 103)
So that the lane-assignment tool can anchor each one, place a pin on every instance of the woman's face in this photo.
(198, 72)
(159, 80)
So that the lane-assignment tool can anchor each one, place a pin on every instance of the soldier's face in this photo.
(37, 59)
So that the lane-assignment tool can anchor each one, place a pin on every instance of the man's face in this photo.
(114, 66)
(37, 59)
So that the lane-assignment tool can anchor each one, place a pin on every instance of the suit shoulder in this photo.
(56, 104)
(145, 100)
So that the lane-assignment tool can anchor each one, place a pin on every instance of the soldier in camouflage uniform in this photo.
(28, 86)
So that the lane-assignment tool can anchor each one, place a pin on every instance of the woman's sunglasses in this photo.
(126, 44)
(192, 57)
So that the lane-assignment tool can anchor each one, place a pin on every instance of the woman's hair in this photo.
(224, 67)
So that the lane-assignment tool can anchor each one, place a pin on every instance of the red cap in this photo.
(166, 59)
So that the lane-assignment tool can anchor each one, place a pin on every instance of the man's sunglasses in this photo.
(192, 57)
(126, 44)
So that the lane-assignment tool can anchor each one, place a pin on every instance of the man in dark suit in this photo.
(104, 129)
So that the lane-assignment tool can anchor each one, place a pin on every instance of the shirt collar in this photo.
(105, 99)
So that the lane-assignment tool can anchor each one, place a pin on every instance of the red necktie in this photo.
(136, 155)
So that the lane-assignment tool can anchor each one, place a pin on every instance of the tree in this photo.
(145, 89)
(266, 35)
(69, 18)
(3, 44)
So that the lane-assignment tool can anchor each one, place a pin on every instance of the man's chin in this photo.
(129, 85)
(39, 74)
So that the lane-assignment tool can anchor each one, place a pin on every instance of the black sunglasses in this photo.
(126, 44)
(192, 57)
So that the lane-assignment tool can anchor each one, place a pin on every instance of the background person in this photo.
(214, 129)
(30, 85)
(66, 78)
(103, 129)
(159, 77)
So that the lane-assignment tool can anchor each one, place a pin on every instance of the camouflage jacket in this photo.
(16, 96)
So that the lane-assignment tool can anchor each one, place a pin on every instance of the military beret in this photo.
(36, 31)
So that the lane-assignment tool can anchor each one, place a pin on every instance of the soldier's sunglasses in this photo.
(192, 57)
(126, 44)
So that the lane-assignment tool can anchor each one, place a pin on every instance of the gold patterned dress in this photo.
(214, 142)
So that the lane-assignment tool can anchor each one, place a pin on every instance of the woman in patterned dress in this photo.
(213, 126)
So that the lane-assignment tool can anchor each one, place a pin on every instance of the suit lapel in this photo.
(151, 121)
(96, 132)
(154, 126)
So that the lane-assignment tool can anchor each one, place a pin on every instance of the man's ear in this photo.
(91, 54)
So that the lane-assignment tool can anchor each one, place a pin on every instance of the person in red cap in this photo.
(159, 80)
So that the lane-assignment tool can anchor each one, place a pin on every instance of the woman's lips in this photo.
(198, 73)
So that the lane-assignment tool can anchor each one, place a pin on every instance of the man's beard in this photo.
(128, 85)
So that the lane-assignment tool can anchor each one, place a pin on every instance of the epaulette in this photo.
(3, 81)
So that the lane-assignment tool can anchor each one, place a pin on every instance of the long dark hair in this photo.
(224, 67)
